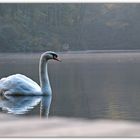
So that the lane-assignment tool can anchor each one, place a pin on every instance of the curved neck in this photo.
(44, 78)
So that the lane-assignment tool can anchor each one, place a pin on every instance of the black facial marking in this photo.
(54, 55)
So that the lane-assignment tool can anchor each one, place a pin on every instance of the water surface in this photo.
(98, 85)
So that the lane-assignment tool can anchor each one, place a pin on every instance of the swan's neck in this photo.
(44, 78)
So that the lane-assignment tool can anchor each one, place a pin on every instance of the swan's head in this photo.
(50, 55)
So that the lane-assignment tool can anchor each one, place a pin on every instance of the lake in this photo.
(90, 85)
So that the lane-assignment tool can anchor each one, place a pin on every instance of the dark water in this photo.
(87, 85)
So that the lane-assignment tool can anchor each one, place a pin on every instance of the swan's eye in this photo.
(54, 56)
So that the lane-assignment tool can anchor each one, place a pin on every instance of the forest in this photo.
(36, 27)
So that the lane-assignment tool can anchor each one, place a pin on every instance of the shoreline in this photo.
(76, 51)
(68, 127)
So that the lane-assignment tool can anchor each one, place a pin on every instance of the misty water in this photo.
(90, 85)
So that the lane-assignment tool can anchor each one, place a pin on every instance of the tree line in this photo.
(37, 27)
(33, 27)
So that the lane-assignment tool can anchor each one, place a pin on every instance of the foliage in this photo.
(32, 27)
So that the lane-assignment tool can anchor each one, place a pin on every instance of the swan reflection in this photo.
(23, 104)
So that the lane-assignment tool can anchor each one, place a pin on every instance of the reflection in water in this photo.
(45, 106)
(23, 104)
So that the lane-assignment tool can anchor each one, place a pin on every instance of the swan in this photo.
(19, 84)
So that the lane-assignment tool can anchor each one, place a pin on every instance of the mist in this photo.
(33, 27)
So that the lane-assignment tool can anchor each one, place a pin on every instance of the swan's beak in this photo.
(58, 59)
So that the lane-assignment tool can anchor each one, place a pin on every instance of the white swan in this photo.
(19, 84)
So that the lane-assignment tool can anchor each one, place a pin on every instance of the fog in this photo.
(34, 27)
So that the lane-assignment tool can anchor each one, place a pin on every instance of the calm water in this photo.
(87, 85)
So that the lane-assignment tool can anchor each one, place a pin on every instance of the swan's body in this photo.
(19, 84)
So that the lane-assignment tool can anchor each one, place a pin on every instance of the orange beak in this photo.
(58, 59)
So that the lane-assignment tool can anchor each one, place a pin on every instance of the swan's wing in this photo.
(19, 84)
